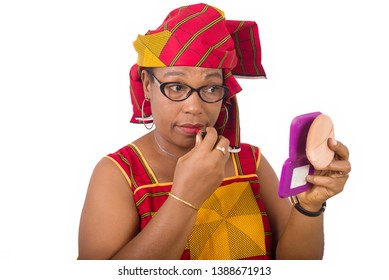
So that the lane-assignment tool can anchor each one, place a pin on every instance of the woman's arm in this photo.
(109, 227)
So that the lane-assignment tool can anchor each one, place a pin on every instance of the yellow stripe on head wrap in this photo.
(149, 48)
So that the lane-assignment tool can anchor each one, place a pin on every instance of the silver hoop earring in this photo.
(148, 118)
(225, 118)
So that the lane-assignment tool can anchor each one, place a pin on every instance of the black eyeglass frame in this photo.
(163, 85)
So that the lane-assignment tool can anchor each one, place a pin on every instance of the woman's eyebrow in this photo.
(214, 74)
(184, 74)
(174, 73)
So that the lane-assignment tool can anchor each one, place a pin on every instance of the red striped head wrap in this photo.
(199, 35)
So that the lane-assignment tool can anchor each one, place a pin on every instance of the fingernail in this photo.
(333, 141)
(310, 179)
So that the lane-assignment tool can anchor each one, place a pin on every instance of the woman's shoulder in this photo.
(248, 157)
(126, 157)
(249, 149)
(248, 146)
(132, 163)
(125, 150)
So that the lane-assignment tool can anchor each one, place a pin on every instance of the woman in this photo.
(175, 194)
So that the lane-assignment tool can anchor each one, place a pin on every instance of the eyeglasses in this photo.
(179, 92)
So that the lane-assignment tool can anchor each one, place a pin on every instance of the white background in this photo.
(65, 103)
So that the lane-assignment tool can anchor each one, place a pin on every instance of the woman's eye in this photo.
(212, 89)
(177, 88)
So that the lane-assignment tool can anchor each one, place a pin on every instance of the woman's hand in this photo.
(199, 172)
(327, 182)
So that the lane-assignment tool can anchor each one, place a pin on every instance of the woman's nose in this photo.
(193, 104)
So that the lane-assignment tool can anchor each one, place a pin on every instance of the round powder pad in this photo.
(317, 150)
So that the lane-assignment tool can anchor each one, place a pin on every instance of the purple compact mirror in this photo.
(297, 166)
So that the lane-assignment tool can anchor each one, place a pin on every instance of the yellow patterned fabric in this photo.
(229, 225)
(149, 48)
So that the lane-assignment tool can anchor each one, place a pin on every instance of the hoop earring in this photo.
(149, 118)
(225, 119)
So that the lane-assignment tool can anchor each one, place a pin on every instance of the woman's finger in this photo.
(332, 183)
(221, 147)
(340, 150)
(343, 166)
(209, 141)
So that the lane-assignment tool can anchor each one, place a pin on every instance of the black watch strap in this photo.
(309, 213)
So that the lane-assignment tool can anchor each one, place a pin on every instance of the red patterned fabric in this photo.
(199, 35)
(150, 195)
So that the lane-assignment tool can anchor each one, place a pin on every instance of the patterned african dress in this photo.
(231, 224)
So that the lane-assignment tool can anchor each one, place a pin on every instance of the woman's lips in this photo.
(190, 128)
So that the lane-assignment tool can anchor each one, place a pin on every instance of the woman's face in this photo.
(177, 122)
